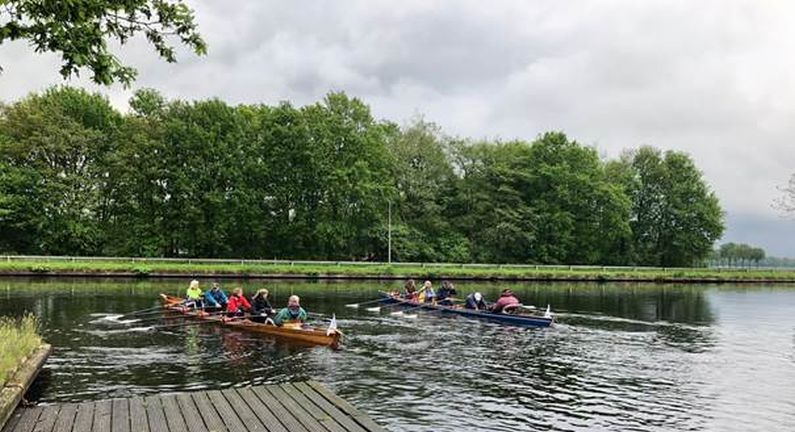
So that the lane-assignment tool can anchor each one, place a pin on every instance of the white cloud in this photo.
(712, 78)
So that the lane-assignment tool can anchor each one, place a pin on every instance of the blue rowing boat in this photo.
(504, 318)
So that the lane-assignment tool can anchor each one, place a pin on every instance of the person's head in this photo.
(506, 292)
(447, 285)
(215, 286)
(238, 291)
(410, 285)
(262, 293)
(294, 302)
(194, 284)
(478, 296)
(427, 284)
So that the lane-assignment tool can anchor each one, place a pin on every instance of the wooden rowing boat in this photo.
(524, 320)
(312, 335)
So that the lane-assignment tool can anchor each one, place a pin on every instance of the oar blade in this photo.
(353, 305)
(374, 309)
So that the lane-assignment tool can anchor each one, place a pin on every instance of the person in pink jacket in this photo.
(507, 299)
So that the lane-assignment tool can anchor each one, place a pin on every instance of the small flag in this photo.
(332, 327)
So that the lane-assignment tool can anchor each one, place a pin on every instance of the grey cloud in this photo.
(711, 78)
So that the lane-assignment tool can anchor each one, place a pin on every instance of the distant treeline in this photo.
(737, 255)
(743, 255)
(178, 178)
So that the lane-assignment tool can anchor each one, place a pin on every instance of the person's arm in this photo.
(303, 316)
(208, 297)
(279, 318)
(224, 298)
(245, 303)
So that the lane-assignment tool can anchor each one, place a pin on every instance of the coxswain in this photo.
(237, 305)
(506, 302)
(475, 301)
(293, 315)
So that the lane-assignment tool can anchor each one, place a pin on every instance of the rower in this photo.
(193, 295)
(410, 288)
(261, 308)
(237, 304)
(215, 297)
(445, 294)
(426, 294)
(293, 315)
(506, 302)
(475, 301)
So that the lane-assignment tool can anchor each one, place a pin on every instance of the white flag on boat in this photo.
(548, 313)
(332, 327)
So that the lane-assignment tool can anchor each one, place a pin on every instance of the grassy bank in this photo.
(142, 268)
(18, 339)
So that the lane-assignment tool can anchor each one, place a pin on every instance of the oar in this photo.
(142, 311)
(356, 305)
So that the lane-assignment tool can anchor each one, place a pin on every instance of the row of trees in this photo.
(737, 255)
(177, 178)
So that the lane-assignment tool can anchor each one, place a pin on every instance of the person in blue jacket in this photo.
(215, 297)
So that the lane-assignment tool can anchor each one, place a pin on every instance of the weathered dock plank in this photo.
(85, 417)
(293, 407)
(193, 419)
(139, 422)
(66, 418)
(120, 415)
(209, 414)
(243, 411)
(264, 413)
(154, 411)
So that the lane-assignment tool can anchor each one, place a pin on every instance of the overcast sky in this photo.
(715, 79)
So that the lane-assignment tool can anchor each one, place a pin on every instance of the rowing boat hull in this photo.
(517, 320)
(313, 336)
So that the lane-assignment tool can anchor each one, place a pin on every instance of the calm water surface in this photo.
(622, 357)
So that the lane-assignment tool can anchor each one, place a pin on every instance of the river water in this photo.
(621, 357)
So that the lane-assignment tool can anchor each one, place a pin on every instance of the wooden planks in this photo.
(293, 407)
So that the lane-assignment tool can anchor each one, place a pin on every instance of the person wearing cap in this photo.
(506, 301)
(293, 314)
(445, 294)
(261, 308)
(215, 297)
(475, 301)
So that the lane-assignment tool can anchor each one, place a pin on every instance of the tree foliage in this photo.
(204, 178)
(80, 31)
(675, 217)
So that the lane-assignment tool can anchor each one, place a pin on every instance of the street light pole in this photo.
(389, 235)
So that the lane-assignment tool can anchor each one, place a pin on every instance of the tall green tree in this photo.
(53, 154)
(676, 218)
(425, 185)
(80, 30)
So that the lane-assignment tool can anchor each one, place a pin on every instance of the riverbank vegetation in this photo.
(18, 339)
(143, 268)
(207, 179)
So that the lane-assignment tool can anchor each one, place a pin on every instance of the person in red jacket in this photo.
(507, 301)
(237, 305)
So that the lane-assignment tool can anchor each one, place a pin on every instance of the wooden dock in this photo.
(294, 407)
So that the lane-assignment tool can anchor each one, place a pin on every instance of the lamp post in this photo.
(389, 234)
